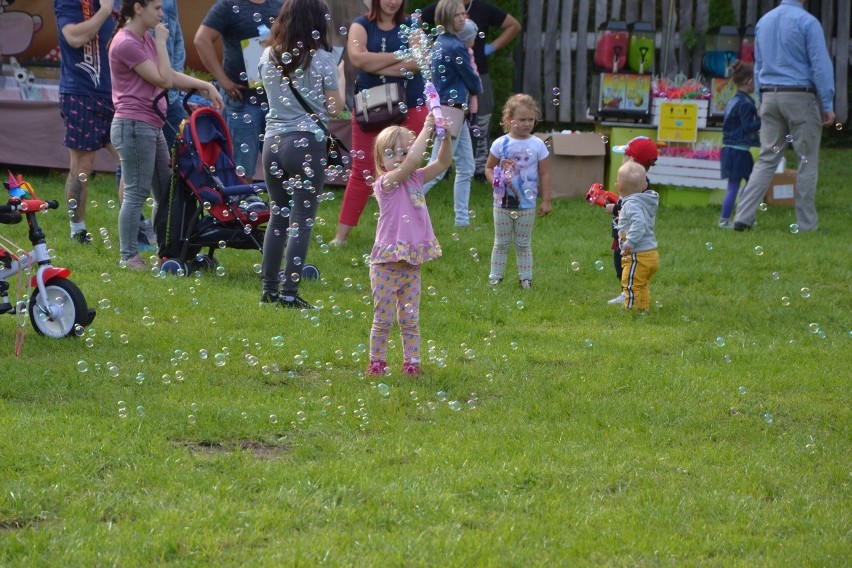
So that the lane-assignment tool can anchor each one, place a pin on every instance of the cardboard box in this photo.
(782, 189)
(576, 162)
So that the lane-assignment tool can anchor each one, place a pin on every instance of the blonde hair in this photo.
(390, 137)
(631, 177)
(513, 104)
(445, 13)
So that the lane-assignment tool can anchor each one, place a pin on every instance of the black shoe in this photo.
(269, 299)
(479, 178)
(295, 301)
(741, 227)
(82, 236)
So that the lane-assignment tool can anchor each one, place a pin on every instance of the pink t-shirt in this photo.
(132, 95)
(404, 231)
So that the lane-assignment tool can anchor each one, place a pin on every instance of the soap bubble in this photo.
(383, 389)
(273, 419)
(805, 292)
(814, 327)
(720, 341)
(708, 245)
(575, 266)
(768, 418)
(219, 359)
(599, 265)
(742, 390)
(82, 366)
(794, 228)
(758, 250)
(785, 300)
(776, 276)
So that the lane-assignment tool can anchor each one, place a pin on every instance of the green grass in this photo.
(591, 436)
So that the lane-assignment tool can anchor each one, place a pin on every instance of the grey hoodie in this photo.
(637, 219)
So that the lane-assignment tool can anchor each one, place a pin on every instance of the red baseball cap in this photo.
(642, 149)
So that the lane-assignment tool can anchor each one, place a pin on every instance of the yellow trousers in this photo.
(637, 270)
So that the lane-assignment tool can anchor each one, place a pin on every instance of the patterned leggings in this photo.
(512, 225)
(396, 291)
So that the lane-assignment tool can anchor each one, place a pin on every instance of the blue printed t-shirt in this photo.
(84, 70)
(518, 159)
(237, 20)
(379, 41)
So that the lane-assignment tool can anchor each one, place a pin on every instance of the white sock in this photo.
(77, 227)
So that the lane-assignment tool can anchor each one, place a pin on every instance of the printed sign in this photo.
(678, 122)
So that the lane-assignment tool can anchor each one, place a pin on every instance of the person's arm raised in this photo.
(78, 35)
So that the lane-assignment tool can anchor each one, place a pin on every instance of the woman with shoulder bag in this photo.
(297, 58)
(373, 39)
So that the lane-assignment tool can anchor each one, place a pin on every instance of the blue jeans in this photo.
(463, 158)
(145, 166)
(246, 123)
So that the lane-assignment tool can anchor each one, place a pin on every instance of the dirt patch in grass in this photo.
(259, 449)
(19, 523)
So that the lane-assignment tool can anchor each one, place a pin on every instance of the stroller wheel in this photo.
(173, 266)
(310, 272)
(203, 263)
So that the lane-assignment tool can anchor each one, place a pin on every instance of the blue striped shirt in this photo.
(790, 50)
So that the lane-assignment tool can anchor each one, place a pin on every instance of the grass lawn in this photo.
(191, 426)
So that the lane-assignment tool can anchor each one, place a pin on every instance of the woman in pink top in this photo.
(404, 239)
(140, 69)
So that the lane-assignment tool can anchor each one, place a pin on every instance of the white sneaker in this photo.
(617, 300)
(726, 224)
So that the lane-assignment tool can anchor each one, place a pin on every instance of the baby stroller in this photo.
(210, 204)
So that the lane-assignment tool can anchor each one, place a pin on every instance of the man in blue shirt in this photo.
(231, 21)
(795, 79)
(85, 96)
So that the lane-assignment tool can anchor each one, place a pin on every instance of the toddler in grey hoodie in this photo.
(639, 256)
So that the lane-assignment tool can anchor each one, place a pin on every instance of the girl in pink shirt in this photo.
(404, 239)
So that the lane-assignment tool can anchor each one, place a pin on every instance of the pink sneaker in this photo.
(376, 368)
(412, 369)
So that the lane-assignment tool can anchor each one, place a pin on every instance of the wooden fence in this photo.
(556, 55)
